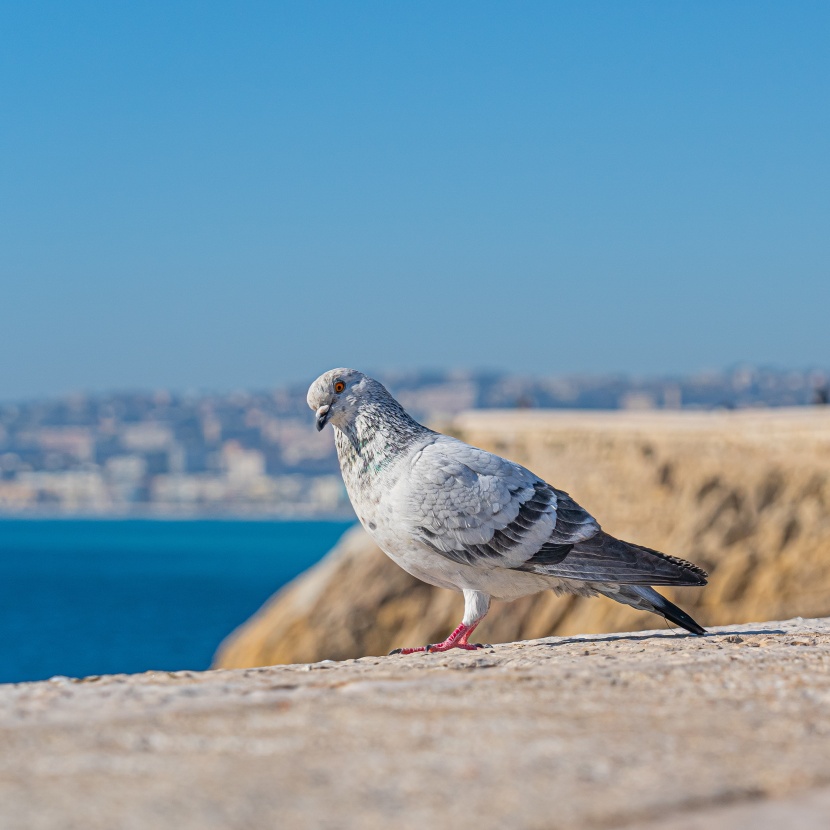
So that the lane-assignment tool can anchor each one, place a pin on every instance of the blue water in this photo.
(96, 597)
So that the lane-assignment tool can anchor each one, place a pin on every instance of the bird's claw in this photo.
(458, 639)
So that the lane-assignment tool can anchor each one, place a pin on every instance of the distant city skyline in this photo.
(258, 453)
(216, 196)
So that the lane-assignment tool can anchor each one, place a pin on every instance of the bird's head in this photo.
(336, 395)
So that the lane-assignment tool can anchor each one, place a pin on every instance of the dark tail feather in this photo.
(676, 615)
(647, 599)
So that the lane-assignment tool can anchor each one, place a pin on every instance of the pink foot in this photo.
(458, 639)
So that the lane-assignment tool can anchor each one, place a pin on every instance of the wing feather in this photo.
(474, 507)
(603, 558)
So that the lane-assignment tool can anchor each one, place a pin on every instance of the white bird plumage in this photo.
(462, 518)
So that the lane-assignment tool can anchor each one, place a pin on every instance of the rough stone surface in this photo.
(744, 494)
(647, 730)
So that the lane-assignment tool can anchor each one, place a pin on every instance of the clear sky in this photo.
(230, 195)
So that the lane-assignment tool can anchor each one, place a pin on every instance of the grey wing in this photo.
(477, 508)
(474, 507)
(604, 558)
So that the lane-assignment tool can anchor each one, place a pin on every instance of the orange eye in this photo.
(339, 386)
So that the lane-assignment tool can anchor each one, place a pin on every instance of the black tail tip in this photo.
(682, 619)
(679, 617)
(694, 628)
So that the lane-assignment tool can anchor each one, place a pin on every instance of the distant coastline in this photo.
(276, 518)
(162, 516)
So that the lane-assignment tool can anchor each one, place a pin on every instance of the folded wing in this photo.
(603, 558)
(476, 508)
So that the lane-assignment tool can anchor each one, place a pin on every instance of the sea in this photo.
(84, 597)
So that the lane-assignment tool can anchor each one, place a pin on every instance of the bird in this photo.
(462, 518)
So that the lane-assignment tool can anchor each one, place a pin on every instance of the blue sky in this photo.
(230, 195)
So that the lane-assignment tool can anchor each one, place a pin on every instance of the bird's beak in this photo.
(323, 414)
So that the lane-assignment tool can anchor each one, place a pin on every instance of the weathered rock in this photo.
(655, 730)
(744, 494)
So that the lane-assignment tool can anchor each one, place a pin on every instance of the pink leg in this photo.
(458, 639)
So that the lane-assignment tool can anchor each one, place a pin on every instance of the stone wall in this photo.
(649, 731)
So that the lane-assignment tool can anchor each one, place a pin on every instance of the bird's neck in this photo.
(377, 436)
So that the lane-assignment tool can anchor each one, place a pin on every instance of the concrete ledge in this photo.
(648, 730)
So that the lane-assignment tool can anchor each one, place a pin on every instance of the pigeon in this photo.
(465, 519)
